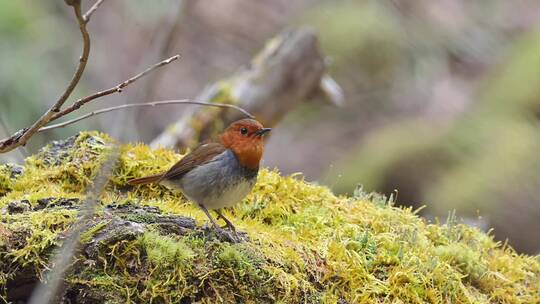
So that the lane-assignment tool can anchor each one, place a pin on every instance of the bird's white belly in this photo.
(230, 197)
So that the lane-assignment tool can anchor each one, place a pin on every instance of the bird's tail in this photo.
(145, 180)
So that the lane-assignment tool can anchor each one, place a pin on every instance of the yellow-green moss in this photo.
(5, 180)
(306, 245)
(165, 250)
(485, 161)
(43, 228)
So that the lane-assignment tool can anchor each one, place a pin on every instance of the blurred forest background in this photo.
(442, 97)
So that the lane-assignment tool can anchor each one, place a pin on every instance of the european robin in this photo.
(217, 174)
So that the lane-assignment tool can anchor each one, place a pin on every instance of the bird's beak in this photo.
(263, 131)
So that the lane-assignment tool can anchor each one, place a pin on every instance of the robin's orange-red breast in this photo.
(218, 174)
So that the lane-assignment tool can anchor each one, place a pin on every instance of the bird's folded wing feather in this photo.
(200, 156)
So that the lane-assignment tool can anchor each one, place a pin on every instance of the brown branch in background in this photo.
(148, 104)
(288, 71)
(116, 89)
(22, 136)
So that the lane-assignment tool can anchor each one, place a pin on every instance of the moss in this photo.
(88, 235)
(39, 231)
(8, 173)
(306, 245)
(5, 180)
(484, 162)
(165, 250)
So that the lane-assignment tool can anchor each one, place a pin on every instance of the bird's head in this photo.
(245, 138)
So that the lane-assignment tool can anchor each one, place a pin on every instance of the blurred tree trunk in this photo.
(288, 71)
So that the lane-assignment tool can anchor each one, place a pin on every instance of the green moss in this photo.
(485, 162)
(57, 171)
(40, 231)
(467, 260)
(306, 245)
(164, 250)
(27, 239)
(5, 180)
(87, 235)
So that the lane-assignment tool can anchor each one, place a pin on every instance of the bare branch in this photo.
(149, 104)
(22, 136)
(116, 89)
(89, 13)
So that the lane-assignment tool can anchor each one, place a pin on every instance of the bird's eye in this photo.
(244, 131)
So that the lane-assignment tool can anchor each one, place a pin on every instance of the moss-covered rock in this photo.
(486, 162)
(304, 244)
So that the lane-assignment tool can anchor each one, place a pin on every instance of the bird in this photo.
(217, 174)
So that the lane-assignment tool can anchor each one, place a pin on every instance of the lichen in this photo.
(8, 172)
(306, 245)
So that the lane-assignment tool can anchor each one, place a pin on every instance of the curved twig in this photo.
(149, 104)
(22, 136)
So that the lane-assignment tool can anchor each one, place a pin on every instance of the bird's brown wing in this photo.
(145, 180)
(201, 155)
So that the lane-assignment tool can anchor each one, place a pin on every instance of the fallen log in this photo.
(288, 71)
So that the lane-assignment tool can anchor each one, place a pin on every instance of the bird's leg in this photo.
(218, 218)
(231, 237)
(214, 224)
(229, 224)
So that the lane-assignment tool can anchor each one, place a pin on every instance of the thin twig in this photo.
(48, 291)
(22, 136)
(117, 89)
(149, 104)
(89, 13)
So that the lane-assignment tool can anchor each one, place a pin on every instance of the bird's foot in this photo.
(228, 235)
(229, 226)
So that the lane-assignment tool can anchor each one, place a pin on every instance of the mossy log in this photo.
(303, 244)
